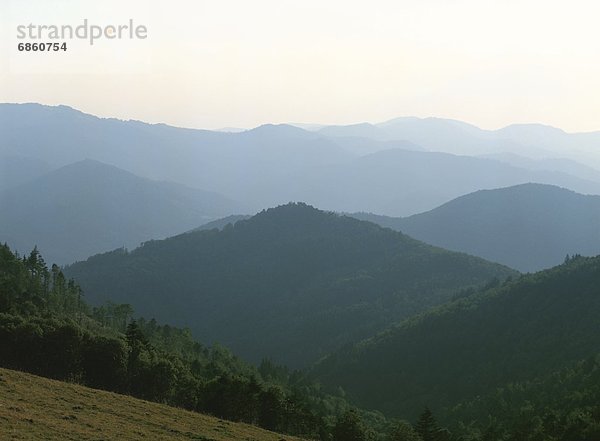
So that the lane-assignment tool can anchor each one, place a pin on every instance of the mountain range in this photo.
(378, 314)
(291, 283)
(406, 182)
(89, 207)
(399, 168)
(527, 227)
(451, 136)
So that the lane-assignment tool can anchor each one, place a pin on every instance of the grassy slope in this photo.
(35, 408)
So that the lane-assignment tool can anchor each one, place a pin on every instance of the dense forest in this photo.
(292, 282)
(47, 328)
(514, 333)
(561, 406)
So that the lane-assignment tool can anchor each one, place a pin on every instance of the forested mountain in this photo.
(515, 332)
(274, 164)
(46, 328)
(561, 405)
(90, 207)
(290, 283)
(528, 227)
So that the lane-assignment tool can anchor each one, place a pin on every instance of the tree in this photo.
(270, 408)
(349, 428)
(104, 362)
(426, 426)
(122, 314)
(138, 359)
(12, 278)
(403, 431)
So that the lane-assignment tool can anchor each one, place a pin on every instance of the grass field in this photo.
(35, 408)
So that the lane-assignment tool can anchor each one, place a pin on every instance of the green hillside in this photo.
(47, 329)
(35, 408)
(510, 333)
(562, 405)
(291, 283)
(516, 361)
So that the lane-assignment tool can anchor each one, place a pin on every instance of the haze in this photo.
(241, 64)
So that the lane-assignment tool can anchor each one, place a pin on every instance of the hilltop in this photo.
(528, 227)
(291, 283)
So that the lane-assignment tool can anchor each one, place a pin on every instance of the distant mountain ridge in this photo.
(242, 166)
(90, 207)
(457, 137)
(527, 227)
(563, 165)
(401, 182)
(290, 283)
(334, 168)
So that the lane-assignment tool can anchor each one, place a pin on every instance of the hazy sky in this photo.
(242, 63)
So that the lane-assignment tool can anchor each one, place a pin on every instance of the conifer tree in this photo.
(426, 426)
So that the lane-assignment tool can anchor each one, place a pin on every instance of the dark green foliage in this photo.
(498, 364)
(113, 316)
(427, 426)
(43, 346)
(28, 287)
(349, 427)
(45, 329)
(269, 402)
(403, 431)
(513, 332)
(291, 283)
(561, 406)
(428, 429)
(104, 362)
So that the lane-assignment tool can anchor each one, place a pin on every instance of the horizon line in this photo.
(301, 125)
